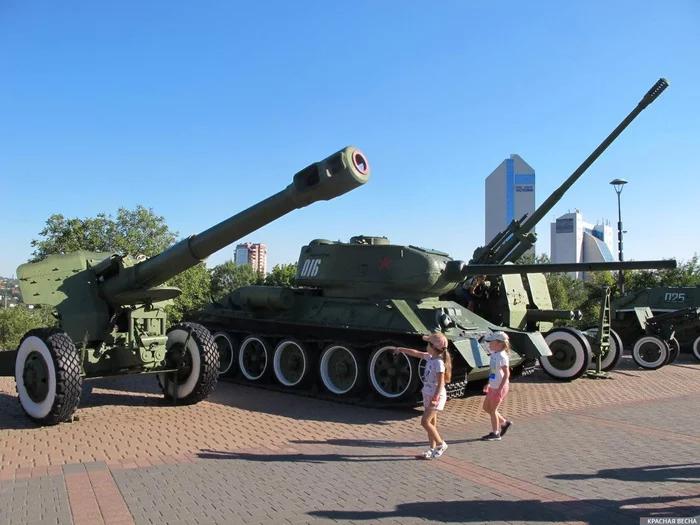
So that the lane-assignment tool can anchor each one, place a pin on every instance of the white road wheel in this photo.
(650, 352)
(571, 354)
(254, 358)
(291, 363)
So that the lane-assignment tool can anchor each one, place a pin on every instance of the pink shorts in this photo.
(427, 399)
(504, 391)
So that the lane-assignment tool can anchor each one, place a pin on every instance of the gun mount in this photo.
(110, 307)
(658, 323)
(511, 299)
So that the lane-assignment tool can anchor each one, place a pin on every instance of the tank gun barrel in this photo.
(456, 271)
(521, 239)
(537, 315)
(327, 179)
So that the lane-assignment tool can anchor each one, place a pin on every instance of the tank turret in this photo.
(110, 307)
(371, 267)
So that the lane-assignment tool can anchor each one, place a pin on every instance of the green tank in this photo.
(110, 308)
(657, 323)
(523, 301)
(329, 334)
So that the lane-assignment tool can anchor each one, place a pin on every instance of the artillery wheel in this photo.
(611, 359)
(198, 363)
(696, 348)
(674, 350)
(47, 376)
(292, 363)
(393, 376)
(342, 369)
(228, 364)
(571, 354)
(254, 358)
(650, 352)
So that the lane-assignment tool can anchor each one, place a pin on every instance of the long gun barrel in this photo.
(521, 240)
(456, 271)
(332, 177)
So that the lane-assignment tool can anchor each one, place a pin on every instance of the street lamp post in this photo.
(618, 184)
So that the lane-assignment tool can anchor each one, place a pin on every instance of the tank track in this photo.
(526, 368)
(364, 341)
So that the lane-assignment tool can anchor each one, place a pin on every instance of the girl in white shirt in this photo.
(438, 372)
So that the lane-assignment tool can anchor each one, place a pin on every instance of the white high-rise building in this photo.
(510, 193)
(574, 240)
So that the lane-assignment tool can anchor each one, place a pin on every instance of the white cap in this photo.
(497, 336)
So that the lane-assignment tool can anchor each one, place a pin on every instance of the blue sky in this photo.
(201, 109)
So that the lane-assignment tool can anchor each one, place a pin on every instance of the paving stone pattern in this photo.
(35, 501)
(590, 451)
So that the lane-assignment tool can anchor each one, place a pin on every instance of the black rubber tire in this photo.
(208, 373)
(67, 375)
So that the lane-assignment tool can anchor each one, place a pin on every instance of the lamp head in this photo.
(618, 184)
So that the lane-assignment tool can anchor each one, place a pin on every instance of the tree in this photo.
(137, 231)
(17, 321)
(227, 277)
(195, 284)
(282, 275)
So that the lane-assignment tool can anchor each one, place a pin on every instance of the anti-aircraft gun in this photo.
(110, 308)
(657, 322)
(523, 301)
(331, 333)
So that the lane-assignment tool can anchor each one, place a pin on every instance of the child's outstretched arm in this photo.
(411, 352)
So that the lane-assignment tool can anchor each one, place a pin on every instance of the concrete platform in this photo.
(589, 451)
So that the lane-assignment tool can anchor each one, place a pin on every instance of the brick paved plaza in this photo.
(590, 451)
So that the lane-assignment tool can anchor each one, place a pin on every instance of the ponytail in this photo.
(448, 365)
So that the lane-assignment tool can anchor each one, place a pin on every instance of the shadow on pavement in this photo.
(375, 443)
(680, 473)
(301, 458)
(594, 512)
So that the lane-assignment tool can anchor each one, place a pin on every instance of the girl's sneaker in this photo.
(491, 436)
(439, 450)
(427, 454)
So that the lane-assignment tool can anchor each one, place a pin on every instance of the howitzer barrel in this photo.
(332, 177)
(522, 240)
(456, 271)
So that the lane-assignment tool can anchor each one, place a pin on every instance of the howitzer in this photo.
(511, 299)
(110, 308)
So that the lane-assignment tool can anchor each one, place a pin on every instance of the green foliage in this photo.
(15, 322)
(137, 231)
(196, 293)
(686, 274)
(282, 275)
(227, 277)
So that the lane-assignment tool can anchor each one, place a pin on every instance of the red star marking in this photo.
(384, 263)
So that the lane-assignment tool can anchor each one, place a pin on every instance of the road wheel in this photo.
(612, 357)
(696, 348)
(197, 359)
(255, 358)
(674, 350)
(650, 352)
(292, 363)
(228, 364)
(48, 376)
(342, 369)
(571, 354)
(393, 376)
